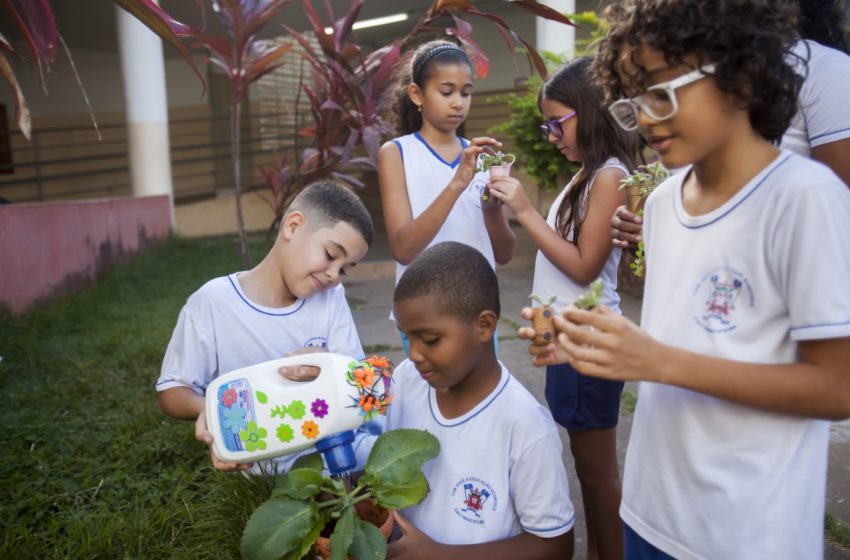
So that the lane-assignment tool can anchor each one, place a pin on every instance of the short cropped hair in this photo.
(458, 277)
(326, 203)
(749, 41)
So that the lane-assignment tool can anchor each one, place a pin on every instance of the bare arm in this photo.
(582, 262)
(836, 155)
(415, 545)
(502, 238)
(181, 403)
(816, 387)
(408, 236)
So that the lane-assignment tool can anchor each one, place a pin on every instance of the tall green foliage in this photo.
(537, 156)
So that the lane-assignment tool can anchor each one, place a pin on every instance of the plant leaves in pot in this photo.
(305, 501)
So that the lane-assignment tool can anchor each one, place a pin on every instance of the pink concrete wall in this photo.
(51, 249)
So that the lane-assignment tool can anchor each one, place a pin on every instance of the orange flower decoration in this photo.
(310, 429)
(378, 361)
(367, 403)
(364, 377)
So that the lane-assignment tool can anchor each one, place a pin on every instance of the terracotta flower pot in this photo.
(367, 511)
(544, 327)
(634, 199)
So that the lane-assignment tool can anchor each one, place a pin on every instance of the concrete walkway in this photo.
(369, 287)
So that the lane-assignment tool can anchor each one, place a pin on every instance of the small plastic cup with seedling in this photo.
(542, 320)
(498, 164)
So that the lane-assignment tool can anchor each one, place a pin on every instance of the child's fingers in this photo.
(202, 433)
(484, 141)
(526, 313)
(299, 373)
(403, 524)
(526, 333)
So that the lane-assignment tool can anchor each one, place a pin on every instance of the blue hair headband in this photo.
(419, 65)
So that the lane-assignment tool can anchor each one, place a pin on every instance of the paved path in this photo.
(369, 288)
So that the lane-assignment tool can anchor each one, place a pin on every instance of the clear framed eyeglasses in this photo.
(658, 101)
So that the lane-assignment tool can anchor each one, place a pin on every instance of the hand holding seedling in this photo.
(626, 228)
(510, 192)
(603, 343)
(467, 168)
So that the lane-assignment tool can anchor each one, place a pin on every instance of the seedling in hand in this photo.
(638, 185)
(498, 164)
(591, 299)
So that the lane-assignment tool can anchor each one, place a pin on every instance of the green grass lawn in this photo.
(91, 467)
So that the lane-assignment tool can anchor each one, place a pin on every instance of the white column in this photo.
(553, 36)
(146, 107)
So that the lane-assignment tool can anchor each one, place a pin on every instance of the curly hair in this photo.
(417, 68)
(820, 21)
(749, 41)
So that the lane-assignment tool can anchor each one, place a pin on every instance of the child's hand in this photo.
(543, 354)
(202, 433)
(469, 158)
(301, 372)
(509, 191)
(413, 544)
(626, 227)
(612, 348)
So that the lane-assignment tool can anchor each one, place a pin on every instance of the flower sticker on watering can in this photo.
(235, 410)
(371, 378)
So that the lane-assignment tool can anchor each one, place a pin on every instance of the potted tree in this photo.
(305, 502)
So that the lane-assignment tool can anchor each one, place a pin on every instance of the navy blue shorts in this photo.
(581, 402)
(636, 547)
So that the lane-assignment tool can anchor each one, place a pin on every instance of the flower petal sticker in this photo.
(233, 418)
(297, 410)
(319, 408)
(310, 429)
(285, 433)
(228, 397)
(253, 437)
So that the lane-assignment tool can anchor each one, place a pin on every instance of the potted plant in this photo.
(637, 186)
(305, 502)
(498, 164)
(542, 320)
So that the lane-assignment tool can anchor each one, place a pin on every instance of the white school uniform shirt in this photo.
(706, 478)
(500, 469)
(824, 112)
(426, 175)
(220, 329)
(550, 281)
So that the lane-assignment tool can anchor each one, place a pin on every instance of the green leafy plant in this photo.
(304, 501)
(591, 298)
(497, 159)
(638, 185)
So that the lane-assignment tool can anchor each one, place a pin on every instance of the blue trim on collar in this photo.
(300, 302)
(484, 407)
(678, 205)
(463, 145)
(831, 132)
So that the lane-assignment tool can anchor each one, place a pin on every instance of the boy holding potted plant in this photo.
(498, 487)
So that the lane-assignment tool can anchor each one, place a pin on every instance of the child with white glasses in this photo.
(744, 351)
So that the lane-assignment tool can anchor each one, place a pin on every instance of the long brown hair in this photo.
(599, 137)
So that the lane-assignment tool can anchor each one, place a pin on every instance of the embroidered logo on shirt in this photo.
(317, 342)
(718, 295)
(472, 499)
